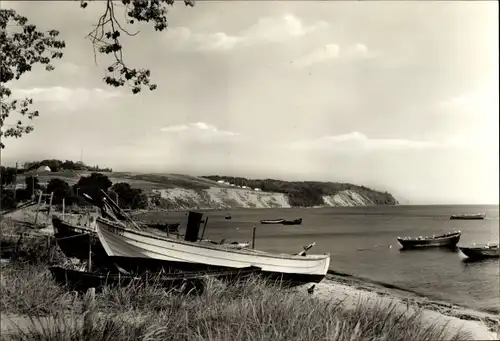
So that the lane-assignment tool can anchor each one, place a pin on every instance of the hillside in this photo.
(176, 191)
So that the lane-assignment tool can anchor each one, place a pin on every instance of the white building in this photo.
(257, 189)
(43, 169)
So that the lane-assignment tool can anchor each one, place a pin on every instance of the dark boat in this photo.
(227, 217)
(74, 241)
(292, 222)
(272, 221)
(445, 240)
(169, 228)
(82, 280)
(475, 216)
(481, 252)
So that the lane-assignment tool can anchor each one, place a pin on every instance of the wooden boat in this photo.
(292, 222)
(126, 247)
(481, 252)
(444, 240)
(74, 240)
(475, 216)
(272, 221)
(82, 280)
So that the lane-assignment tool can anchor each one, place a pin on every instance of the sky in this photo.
(397, 96)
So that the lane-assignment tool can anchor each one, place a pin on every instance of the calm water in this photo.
(359, 240)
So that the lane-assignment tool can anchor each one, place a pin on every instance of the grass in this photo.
(250, 310)
(253, 309)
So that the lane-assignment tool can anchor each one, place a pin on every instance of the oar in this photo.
(303, 252)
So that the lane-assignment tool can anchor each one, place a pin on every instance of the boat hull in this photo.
(480, 252)
(478, 216)
(82, 280)
(292, 222)
(450, 241)
(74, 241)
(141, 249)
(275, 221)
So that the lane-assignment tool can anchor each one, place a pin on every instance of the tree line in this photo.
(91, 185)
(307, 193)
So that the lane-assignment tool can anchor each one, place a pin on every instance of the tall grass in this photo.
(250, 310)
(29, 290)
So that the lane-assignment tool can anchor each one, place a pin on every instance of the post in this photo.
(15, 183)
(193, 226)
(64, 207)
(204, 227)
(253, 237)
(89, 307)
(38, 207)
(50, 204)
(90, 253)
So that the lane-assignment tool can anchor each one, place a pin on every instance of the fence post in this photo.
(50, 204)
(253, 237)
(38, 206)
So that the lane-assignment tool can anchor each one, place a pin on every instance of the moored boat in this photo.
(474, 216)
(125, 245)
(481, 252)
(292, 222)
(445, 240)
(272, 221)
(82, 280)
(75, 241)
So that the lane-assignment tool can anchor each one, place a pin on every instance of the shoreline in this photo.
(350, 291)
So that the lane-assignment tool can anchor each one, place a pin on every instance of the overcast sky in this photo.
(399, 96)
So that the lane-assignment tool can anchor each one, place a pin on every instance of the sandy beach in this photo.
(350, 292)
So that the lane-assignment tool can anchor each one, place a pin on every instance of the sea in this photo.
(362, 242)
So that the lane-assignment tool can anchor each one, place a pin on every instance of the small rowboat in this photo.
(475, 216)
(444, 240)
(481, 252)
(272, 221)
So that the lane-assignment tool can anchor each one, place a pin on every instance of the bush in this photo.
(61, 191)
(7, 201)
(129, 197)
(92, 186)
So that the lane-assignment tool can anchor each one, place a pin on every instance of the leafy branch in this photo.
(22, 46)
(106, 35)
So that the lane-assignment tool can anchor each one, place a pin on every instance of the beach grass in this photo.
(253, 309)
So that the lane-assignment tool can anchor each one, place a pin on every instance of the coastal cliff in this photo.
(221, 198)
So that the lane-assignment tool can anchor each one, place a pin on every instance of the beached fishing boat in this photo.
(74, 240)
(272, 221)
(126, 246)
(481, 252)
(475, 216)
(83, 280)
(292, 222)
(445, 240)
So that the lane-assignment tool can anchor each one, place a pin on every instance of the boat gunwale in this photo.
(221, 248)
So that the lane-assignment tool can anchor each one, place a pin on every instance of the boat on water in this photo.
(83, 280)
(481, 252)
(127, 246)
(75, 241)
(228, 217)
(272, 221)
(450, 239)
(474, 216)
(292, 222)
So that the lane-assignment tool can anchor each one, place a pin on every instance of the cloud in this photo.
(266, 30)
(200, 132)
(332, 52)
(358, 141)
(67, 98)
